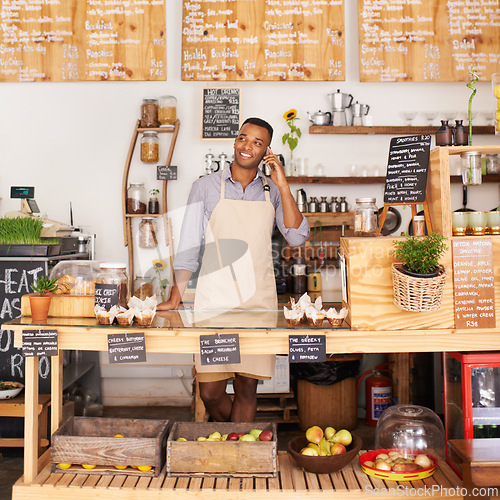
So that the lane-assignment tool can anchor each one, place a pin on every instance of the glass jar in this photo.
(150, 147)
(147, 233)
(111, 285)
(136, 198)
(419, 225)
(492, 164)
(471, 168)
(149, 113)
(153, 205)
(365, 217)
(444, 136)
(143, 287)
(299, 275)
(167, 110)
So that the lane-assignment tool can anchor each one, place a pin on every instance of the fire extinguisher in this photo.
(378, 393)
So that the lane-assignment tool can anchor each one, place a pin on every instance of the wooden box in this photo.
(220, 458)
(64, 306)
(92, 440)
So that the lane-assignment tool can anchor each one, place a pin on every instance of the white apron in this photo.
(239, 274)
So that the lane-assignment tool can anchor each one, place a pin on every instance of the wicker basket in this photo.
(417, 294)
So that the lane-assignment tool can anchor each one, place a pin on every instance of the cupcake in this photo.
(293, 316)
(104, 316)
(144, 310)
(125, 317)
(315, 317)
(336, 318)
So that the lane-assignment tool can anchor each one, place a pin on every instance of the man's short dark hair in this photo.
(260, 123)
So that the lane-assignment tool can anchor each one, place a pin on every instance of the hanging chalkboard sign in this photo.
(166, 173)
(126, 348)
(307, 348)
(407, 167)
(219, 349)
(40, 343)
(221, 113)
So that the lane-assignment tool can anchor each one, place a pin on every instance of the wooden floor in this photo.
(350, 482)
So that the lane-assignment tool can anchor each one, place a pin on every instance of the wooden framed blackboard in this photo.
(407, 167)
(220, 113)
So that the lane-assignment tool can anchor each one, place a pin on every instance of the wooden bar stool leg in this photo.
(31, 419)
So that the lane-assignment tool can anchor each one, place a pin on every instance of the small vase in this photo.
(39, 305)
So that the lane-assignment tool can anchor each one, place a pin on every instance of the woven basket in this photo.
(417, 294)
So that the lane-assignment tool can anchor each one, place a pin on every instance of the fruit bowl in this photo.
(14, 389)
(323, 465)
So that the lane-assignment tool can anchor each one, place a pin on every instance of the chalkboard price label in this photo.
(219, 349)
(307, 348)
(106, 295)
(407, 168)
(39, 343)
(166, 173)
(221, 113)
(126, 348)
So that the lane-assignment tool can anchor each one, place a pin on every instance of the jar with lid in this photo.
(136, 198)
(147, 233)
(167, 110)
(365, 217)
(299, 275)
(111, 285)
(143, 287)
(150, 147)
(153, 203)
(149, 113)
(492, 164)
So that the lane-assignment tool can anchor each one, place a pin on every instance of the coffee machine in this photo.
(340, 102)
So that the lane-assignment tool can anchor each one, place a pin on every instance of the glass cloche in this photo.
(75, 277)
(412, 428)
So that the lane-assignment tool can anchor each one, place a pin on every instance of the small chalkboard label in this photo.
(219, 349)
(106, 295)
(473, 283)
(126, 348)
(166, 173)
(407, 168)
(307, 348)
(39, 343)
(221, 113)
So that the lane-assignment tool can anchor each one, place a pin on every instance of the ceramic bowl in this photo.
(323, 465)
(17, 387)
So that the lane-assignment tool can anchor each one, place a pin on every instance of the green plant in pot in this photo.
(43, 287)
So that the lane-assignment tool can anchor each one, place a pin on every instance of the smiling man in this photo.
(238, 204)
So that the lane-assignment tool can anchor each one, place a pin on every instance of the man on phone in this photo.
(238, 204)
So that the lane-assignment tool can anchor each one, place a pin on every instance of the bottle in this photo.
(136, 198)
(343, 206)
(460, 135)
(167, 110)
(444, 136)
(147, 233)
(153, 205)
(478, 431)
(365, 217)
(111, 285)
(149, 113)
(150, 147)
(299, 275)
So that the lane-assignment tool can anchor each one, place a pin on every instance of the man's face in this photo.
(250, 146)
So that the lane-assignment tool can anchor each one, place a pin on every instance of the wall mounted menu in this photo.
(221, 113)
(473, 283)
(428, 40)
(71, 40)
(407, 169)
(263, 40)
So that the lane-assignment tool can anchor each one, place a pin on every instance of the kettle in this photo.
(301, 200)
(320, 118)
(313, 204)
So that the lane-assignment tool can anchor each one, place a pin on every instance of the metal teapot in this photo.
(320, 118)
(313, 204)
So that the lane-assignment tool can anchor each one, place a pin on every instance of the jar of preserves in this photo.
(150, 147)
(365, 217)
(143, 287)
(111, 285)
(147, 233)
(149, 113)
(167, 110)
(136, 198)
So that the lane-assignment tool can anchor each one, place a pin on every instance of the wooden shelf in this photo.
(398, 130)
(143, 215)
(335, 180)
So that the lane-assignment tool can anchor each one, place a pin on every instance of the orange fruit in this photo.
(88, 466)
(64, 466)
(144, 468)
(120, 467)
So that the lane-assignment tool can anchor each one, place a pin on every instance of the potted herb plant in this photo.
(417, 277)
(43, 287)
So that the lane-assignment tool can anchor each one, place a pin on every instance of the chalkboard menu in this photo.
(106, 295)
(473, 283)
(40, 343)
(307, 348)
(126, 348)
(428, 40)
(263, 40)
(71, 40)
(407, 169)
(221, 113)
(219, 349)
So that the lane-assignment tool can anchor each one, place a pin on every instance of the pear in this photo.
(309, 451)
(314, 434)
(324, 445)
(329, 433)
(315, 447)
(201, 438)
(255, 433)
(224, 437)
(343, 437)
(181, 439)
(215, 436)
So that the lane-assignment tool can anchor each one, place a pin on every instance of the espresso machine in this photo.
(340, 102)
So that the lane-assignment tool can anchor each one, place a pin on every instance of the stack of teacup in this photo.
(476, 223)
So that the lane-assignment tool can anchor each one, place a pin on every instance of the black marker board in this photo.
(219, 349)
(40, 343)
(166, 173)
(221, 113)
(126, 348)
(407, 168)
(307, 348)
(106, 295)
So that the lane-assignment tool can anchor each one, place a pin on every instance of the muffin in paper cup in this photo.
(144, 310)
(125, 317)
(104, 316)
(314, 317)
(336, 318)
(145, 318)
(293, 316)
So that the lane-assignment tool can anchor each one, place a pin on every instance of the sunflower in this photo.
(159, 264)
(292, 113)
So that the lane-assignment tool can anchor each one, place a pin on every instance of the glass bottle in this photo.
(136, 198)
(147, 233)
(143, 287)
(149, 113)
(150, 147)
(444, 136)
(167, 110)
(299, 275)
(153, 205)
(111, 285)
(365, 217)
(460, 136)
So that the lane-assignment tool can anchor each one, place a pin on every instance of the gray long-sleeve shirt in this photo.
(204, 196)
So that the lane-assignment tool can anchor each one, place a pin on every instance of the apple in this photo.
(247, 437)
(343, 437)
(329, 433)
(233, 436)
(266, 435)
(240, 434)
(255, 433)
(337, 449)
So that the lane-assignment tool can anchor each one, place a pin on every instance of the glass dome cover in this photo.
(412, 428)
(75, 277)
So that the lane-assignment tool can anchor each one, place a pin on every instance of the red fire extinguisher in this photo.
(378, 393)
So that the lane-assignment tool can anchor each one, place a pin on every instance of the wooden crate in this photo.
(64, 306)
(91, 440)
(220, 458)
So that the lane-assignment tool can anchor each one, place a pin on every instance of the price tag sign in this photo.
(126, 348)
(106, 295)
(307, 348)
(166, 173)
(219, 349)
(39, 343)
